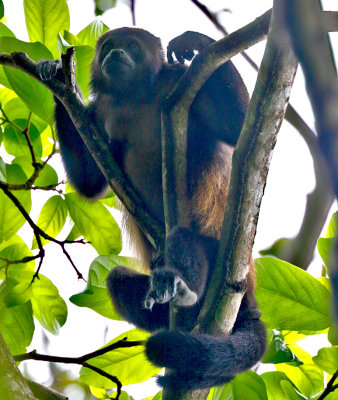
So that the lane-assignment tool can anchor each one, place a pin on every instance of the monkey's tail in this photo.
(198, 361)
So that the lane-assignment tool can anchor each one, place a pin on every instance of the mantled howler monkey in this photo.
(130, 79)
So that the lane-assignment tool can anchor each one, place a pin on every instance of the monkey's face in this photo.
(126, 60)
(118, 60)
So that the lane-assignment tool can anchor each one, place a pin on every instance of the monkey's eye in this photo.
(106, 47)
(133, 47)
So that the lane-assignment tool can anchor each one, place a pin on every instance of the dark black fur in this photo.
(130, 80)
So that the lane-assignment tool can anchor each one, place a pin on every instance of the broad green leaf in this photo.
(292, 337)
(111, 200)
(95, 223)
(291, 298)
(15, 108)
(15, 249)
(5, 31)
(248, 385)
(325, 248)
(278, 352)
(71, 39)
(308, 378)
(5, 96)
(291, 392)
(96, 295)
(16, 323)
(327, 359)
(52, 218)
(11, 219)
(37, 98)
(47, 142)
(48, 307)
(102, 6)
(44, 20)
(16, 143)
(158, 396)
(2, 9)
(2, 169)
(73, 234)
(279, 387)
(47, 175)
(332, 229)
(128, 364)
(92, 32)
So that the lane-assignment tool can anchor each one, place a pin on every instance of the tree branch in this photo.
(83, 360)
(12, 383)
(312, 47)
(330, 387)
(251, 161)
(44, 393)
(38, 232)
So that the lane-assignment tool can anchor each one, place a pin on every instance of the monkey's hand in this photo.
(48, 69)
(165, 286)
(183, 46)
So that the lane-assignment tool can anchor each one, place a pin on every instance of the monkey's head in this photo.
(126, 62)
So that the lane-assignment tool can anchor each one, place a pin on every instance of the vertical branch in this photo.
(312, 47)
(12, 383)
(251, 161)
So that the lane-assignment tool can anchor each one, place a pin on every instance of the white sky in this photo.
(290, 176)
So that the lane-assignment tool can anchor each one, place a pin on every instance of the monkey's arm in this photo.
(80, 166)
(219, 108)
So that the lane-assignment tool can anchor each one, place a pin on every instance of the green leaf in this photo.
(92, 32)
(2, 169)
(16, 109)
(52, 218)
(279, 387)
(15, 249)
(325, 248)
(291, 392)
(332, 229)
(16, 144)
(44, 20)
(96, 224)
(11, 219)
(4, 30)
(307, 378)
(47, 175)
(290, 298)
(16, 323)
(248, 385)
(71, 39)
(2, 9)
(48, 307)
(73, 234)
(37, 98)
(278, 352)
(327, 359)
(128, 364)
(96, 295)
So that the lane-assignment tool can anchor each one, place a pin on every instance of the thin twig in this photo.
(82, 360)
